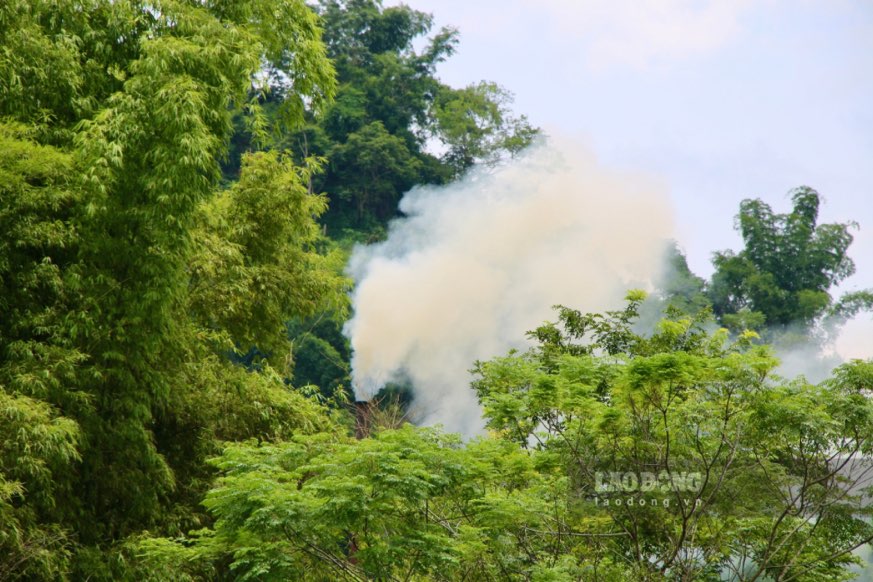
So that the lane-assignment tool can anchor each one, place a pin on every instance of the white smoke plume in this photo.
(477, 263)
(856, 338)
(809, 356)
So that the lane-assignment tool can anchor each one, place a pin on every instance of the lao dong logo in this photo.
(646, 482)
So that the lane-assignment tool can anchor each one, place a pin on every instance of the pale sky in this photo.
(719, 99)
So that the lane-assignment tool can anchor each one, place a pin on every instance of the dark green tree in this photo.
(678, 289)
(321, 353)
(371, 170)
(784, 274)
(389, 105)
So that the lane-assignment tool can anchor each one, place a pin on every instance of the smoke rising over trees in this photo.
(185, 193)
(478, 262)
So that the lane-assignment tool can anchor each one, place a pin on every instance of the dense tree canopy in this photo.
(613, 456)
(116, 114)
(784, 273)
(180, 182)
(389, 106)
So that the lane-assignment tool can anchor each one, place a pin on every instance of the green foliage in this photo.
(680, 288)
(151, 153)
(321, 353)
(39, 442)
(38, 275)
(371, 170)
(780, 466)
(754, 476)
(113, 371)
(406, 504)
(785, 272)
(476, 126)
(256, 263)
(389, 104)
(37, 448)
(155, 317)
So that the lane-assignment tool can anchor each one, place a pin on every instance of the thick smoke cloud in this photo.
(477, 263)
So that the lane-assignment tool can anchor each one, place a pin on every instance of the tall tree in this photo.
(476, 126)
(39, 441)
(785, 272)
(121, 112)
(390, 108)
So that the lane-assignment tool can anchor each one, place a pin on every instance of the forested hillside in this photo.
(181, 184)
